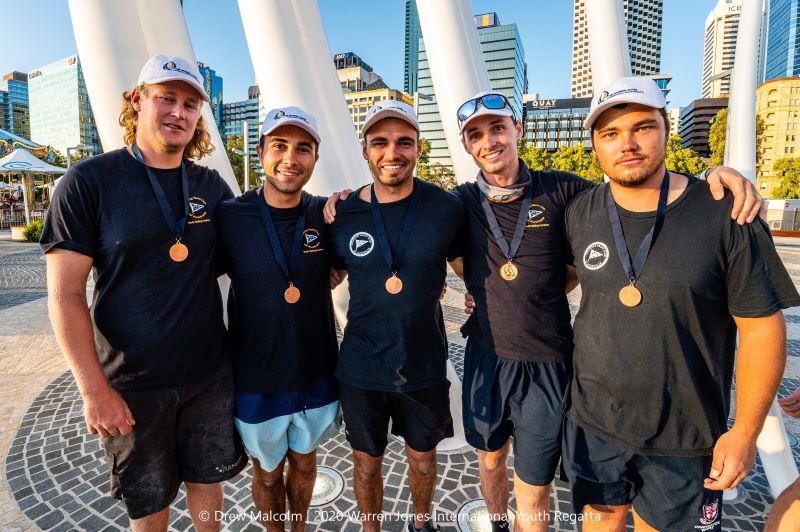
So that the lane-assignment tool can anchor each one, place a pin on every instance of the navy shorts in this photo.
(503, 398)
(666, 491)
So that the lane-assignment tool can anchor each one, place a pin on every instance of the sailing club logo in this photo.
(361, 244)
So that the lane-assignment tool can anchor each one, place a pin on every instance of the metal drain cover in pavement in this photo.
(792, 439)
(473, 517)
(328, 486)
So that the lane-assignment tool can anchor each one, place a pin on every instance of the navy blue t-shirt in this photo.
(278, 346)
(158, 323)
(396, 342)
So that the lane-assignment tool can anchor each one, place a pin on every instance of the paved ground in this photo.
(53, 476)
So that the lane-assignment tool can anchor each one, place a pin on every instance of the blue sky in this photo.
(37, 32)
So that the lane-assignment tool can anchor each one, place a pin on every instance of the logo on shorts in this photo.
(710, 513)
(595, 256)
(361, 244)
(311, 241)
(197, 210)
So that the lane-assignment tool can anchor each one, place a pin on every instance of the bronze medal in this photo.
(509, 271)
(178, 252)
(394, 285)
(291, 294)
(630, 296)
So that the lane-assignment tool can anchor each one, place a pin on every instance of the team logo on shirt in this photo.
(595, 256)
(311, 241)
(709, 517)
(536, 217)
(361, 244)
(198, 213)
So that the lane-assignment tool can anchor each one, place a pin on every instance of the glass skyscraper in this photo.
(213, 86)
(61, 115)
(504, 58)
(413, 36)
(14, 105)
(783, 39)
(233, 116)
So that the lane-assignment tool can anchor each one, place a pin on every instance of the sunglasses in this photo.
(492, 101)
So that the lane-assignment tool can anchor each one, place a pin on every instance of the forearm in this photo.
(572, 280)
(458, 267)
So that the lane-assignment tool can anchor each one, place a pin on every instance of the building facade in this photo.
(783, 39)
(643, 18)
(234, 114)
(213, 86)
(413, 34)
(674, 115)
(552, 123)
(359, 102)
(696, 119)
(778, 105)
(60, 112)
(355, 74)
(504, 57)
(14, 104)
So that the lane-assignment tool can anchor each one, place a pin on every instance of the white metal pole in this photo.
(448, 25)
(246, 154)
(608, 41)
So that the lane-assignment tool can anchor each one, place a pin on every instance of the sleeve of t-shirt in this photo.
(567, 251)
(337, 261)
(458, 245)
(71, 221)
(757, 281)
(570, 185)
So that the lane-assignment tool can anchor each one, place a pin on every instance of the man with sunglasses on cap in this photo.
(519, 338)
(280, 318)
(149, 356)
(393, 238)
(667, 280)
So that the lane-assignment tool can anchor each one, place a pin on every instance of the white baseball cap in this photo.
(390, 109)
(639, 90)
(480, 109)
(290, 116)
(161, 68)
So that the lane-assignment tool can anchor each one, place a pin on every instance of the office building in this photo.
(234, 114)
(674, 116)
(355, 74)
(14, 105)
(60, 112)
(504, 58)
(778, 105)
(782, 57)
(213, 86)
(552, 123)
(359, 102)
(413, 35)
(696, 119)
(643, 18)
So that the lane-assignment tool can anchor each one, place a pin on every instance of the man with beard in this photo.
(667, 280)
(393, 238)
(149, 357)
(281, 319)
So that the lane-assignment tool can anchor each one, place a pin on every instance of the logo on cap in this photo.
(281, 114)
(605, 95)
(170, 65)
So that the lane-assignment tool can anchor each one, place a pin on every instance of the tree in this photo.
(575, 159)
(437, 173)
(236, 142)
(423, 162)
(683, 160)
(717, 136)
(789, 171)
(534, 157)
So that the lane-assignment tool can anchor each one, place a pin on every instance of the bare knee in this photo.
(267, 479)
(493, 460)
(303, 464)
(367, 468)
(422, 463)
(204, 490)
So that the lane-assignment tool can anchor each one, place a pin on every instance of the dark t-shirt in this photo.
(396, 342)
(526, 318)
(656, 378)
(278, 347)
(158, 323)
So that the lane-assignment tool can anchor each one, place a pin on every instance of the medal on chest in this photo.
(393, 285)
(289, 268)
(508, 271)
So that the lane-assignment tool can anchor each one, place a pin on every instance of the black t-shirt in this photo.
(396, 342)
(158, 323)
(278, 347)
(526, 318)
(656, 378)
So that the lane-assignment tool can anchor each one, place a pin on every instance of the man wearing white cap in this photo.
(519, 338)
(667, 280)
(277, 254)
(149, 356)
(393, 238)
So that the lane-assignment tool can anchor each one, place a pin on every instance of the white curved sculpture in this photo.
(608, 41)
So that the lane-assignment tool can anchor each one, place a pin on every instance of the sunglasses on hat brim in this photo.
(492, 101)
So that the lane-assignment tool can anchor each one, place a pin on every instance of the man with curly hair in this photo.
(149, 354)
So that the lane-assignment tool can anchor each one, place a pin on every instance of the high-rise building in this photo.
(504, 57)
(643, 18)
(413, 35)
(696, 119)
(355, 74)
(61, 115)
(359, 102)
(14, 105)
(782, 44)
(213, 86)
(674, 116)
(234, 115)
(778, 105)
(552, 123)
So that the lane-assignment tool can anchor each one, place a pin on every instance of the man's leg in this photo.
(156, 522)
(368, 486)
(269, 495)
(204, 500)
(640, 525)
(422, 482)
(300, 476)
(604, 518)
(533, 506)
(784, 516)
(493, 470)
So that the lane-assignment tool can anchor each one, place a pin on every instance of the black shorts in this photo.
(184, 433)
(421, 417)
(666, 491)
(503, 397)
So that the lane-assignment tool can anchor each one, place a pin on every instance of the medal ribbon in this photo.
(393, 262)
(634, 269)
(176, 226)
(275, 243)
(510, 251)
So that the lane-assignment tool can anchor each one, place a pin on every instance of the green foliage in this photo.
(236, 142)
(33, 231)
(716, 138)
(789, 171)
(683, 160)
(437, 173)
(574, 159)
(534, 158)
